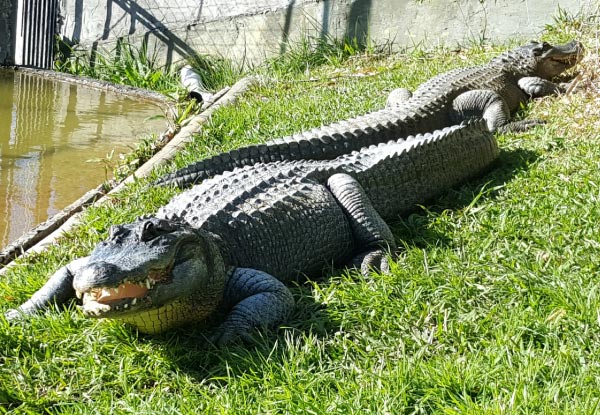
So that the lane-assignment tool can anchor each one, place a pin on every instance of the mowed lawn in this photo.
(492, 305)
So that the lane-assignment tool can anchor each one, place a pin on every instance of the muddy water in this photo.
(49, 133)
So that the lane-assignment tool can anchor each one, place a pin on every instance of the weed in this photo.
(107, 163)
(125, 64)
(215, 72)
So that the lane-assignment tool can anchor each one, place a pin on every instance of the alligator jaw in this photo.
(568, 54)
(567, 60)
(128, 296)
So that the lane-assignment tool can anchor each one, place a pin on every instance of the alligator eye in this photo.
(113, 231)
(164, 226)
(537, 48)
(155, 227)
(148, 231)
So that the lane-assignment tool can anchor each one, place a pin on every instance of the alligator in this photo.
(492, 91)
(228, 245)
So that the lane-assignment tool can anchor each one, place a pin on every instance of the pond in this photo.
(53, 136)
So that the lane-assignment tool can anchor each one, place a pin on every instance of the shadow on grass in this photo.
(8, 401)
(188, 349)
(413, 229)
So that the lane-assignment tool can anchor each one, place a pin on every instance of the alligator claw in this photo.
(13, 315)
(519, 126)
(572, 86)
(375, 261)
(227, 336)
(371, 261)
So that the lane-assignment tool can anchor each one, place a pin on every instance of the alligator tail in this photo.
(322, 143)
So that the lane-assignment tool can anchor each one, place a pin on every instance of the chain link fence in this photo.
(246, 32)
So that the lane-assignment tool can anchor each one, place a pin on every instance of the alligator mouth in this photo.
(570, 60)
(127, 296)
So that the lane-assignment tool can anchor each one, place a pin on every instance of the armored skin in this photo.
(492, 92)
(230, 244)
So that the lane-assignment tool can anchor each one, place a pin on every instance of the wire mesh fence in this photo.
(246, 32)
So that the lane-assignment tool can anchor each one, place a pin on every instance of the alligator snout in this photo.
(570, 53)
(96, 274)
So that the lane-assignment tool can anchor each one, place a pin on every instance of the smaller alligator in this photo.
(231, 242)
(492, 91)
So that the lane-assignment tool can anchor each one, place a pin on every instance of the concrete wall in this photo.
(249, 31)
(7, 26)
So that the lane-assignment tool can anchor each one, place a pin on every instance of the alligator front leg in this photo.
(255, 299)
(57, 290)
(489, 105)
(538, 87)
(372, 234)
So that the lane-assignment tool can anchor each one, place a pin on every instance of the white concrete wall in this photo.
(251, 30)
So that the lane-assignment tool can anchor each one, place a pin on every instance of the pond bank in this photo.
(39, 238)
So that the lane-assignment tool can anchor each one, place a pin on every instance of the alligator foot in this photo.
(519, 126)
(372, 261)
(13, 315)
(255, 299)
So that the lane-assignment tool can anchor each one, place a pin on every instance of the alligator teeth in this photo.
(133, 301)
(93, 308)
(93, 293)
(148, 284)
(78, 294)
(123, 291)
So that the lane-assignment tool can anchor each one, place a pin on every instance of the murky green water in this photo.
(49, 130)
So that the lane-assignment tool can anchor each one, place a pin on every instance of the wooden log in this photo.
(41, 231)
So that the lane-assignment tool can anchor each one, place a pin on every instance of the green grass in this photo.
(125, 64)
(491, 307)
(140, 66)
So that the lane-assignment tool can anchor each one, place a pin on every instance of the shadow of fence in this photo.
(214, 28)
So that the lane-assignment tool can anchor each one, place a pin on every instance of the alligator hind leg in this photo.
(372, 235)
(481, 103)
(398, 97)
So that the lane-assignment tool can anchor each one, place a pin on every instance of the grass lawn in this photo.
(493, 305)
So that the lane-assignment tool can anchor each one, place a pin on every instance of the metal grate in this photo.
(36, 27)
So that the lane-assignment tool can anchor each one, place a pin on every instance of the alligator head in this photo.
(542, 59)
(146, 272)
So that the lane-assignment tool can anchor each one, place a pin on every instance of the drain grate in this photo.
(36, 27)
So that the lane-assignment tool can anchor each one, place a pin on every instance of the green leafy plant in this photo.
(107, 163)
(124, 64)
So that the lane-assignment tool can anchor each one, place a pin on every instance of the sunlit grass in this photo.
(491, 307)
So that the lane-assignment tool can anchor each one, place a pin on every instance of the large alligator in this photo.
(231, 242)
(492, 91)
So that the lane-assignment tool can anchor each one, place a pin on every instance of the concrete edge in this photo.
(130, 91)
